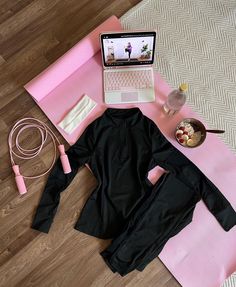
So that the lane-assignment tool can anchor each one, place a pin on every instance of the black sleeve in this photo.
(171, 159)
(78, 154)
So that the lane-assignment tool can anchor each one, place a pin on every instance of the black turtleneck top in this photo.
(120, 147)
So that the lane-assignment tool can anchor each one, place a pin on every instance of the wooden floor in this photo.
(33, 33)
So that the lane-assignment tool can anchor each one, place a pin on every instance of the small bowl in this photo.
(192, 126)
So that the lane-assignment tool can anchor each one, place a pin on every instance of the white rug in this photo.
(231, 281)
(196, 44)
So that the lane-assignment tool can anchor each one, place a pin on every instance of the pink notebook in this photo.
(201, 255)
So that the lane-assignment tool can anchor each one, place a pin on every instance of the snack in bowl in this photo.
(188, 134)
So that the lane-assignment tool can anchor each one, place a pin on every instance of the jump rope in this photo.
(27, 154)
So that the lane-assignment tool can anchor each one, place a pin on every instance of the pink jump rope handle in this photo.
(64, 159)
(19, 180)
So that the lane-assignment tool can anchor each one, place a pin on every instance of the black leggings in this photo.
(149, 229)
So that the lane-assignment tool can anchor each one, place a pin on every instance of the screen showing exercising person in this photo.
(120, 49)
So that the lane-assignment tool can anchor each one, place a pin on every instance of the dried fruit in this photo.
(179, 132)
(178, 135)
(190, 142)
(185, 137)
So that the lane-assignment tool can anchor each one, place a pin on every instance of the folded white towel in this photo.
(77, 114)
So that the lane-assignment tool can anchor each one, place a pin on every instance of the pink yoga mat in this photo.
(57, 89)
(202, 254)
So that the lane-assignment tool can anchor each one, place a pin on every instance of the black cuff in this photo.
(43, 227)
(227, 218)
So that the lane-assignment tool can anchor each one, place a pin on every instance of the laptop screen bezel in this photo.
(131, 34)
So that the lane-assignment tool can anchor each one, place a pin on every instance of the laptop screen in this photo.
(128, 48)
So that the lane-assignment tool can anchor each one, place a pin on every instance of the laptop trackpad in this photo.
(129, 96)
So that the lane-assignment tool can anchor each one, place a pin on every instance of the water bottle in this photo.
(175, 100)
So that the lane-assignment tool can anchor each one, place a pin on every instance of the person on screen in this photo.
(128, 49)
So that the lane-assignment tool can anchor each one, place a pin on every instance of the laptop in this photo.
(128, 58)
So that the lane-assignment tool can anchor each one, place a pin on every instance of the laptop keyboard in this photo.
(128, 79)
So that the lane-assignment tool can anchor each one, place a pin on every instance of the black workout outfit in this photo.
(120, 147)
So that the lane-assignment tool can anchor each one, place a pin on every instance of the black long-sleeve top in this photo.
(120, 147)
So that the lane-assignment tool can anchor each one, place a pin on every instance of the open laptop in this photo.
(128, 66)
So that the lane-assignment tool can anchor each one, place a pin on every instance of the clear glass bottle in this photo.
(175, 100)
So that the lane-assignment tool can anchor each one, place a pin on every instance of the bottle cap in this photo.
(183, 87)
